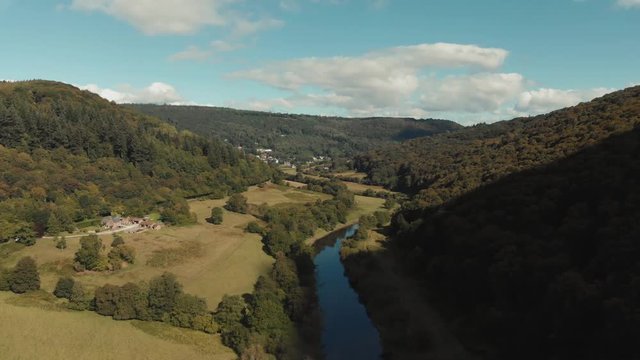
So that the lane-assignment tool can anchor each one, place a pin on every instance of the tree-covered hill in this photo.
(542, 264)
(526, 232)
(297, 137)
(67, 155)
(447, 165)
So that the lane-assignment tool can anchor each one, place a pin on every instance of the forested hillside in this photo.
(297, 137)
(525, 233)
(68, 155)
(542, 264)
(449, 165)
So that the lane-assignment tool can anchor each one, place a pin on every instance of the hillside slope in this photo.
(449, 165)
(542, 264)
(68, 155)
(297, 137)
(525, 233)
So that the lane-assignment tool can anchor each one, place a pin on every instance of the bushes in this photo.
(216, 216)
(163, 294)
(64, 288)
(88, 256)
(24, 276)
(237, 203)
(254, 228)
(119, 254)
(162, 301)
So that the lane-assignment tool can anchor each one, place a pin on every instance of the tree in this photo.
(187, 308)
(119, 254)
(216, 216)
(25, 276)
(61, 243)
(254, 228)
(117, 240)
(106, 298)
(237, 203)
(78, 299)
(163, 294)
(131, 303)
(64, 287)
(5, 280)
(54, 226)
(382, 218)
(390, 203)
(230, 311)
(88, 256)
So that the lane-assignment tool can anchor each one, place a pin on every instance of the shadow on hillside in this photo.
(540, 264)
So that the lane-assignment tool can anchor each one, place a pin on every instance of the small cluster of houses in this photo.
(129, 224)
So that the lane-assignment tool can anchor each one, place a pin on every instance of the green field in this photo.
(209, 260)
(35, 333)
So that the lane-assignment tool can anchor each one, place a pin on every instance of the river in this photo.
(348, 333)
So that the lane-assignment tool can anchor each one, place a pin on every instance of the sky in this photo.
(469, 61)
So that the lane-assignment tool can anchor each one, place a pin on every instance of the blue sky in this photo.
(466, 60)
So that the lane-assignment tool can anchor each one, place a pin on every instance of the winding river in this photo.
(348, 333)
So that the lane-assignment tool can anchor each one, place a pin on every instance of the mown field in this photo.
(209, 260)
(31, 332)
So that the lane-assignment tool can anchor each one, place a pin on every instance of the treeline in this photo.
(296, 137)
(162, 299)
(445, 166)
(67, 156)
(542, 264)
(280, 316)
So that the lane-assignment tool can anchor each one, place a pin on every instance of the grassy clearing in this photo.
(351, 174)
(36, 333)
(209, 260)
(358, 188)
(364, 205)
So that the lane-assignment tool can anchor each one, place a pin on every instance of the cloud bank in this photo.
(156, 93)
(434, 80)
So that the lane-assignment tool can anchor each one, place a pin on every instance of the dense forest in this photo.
(525, 233)
(67, 156)
(296, 138)
(448, 165)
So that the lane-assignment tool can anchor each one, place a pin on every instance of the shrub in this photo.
(254, 228)
(216, 216)
(237, 203)
(64, 288)
(25, 276)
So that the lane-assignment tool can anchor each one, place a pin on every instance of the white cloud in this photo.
(191, 53)
(155, 17)
(471, 93)
(245, 27)
(379, 81)
(156, 93)
(181, 17)
(544, 100)
(195, 53)
(627, 4)
(225, 46)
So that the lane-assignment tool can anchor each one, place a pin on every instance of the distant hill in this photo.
(296, 137)
(447, 165)
(67, 156)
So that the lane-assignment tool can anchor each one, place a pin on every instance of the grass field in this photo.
(209, 260)
(34, 333)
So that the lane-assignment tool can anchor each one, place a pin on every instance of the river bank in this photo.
(409, 327)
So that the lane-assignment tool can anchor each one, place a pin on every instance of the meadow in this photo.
(209, 260)
(35, 331)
